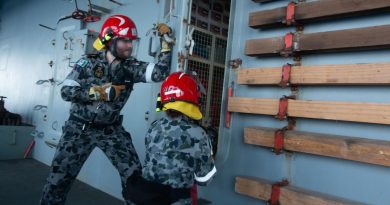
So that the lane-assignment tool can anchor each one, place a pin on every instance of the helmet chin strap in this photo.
(113, 49)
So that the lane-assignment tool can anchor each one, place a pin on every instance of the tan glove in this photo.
(113, 91)
(107, 92)
(163, 28)
(97, 93)
(165, 33)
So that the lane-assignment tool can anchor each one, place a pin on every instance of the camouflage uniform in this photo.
(97, 123)
(178, 151)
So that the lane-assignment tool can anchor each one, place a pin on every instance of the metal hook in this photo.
(63, 35)
(39, 107)
(51, 80)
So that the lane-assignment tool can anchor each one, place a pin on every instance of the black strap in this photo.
(95, 125)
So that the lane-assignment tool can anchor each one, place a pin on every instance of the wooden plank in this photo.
(264, 47)
(352, 39)
(253, 188)
(267, 18)
(368, 38)
(349, 148)
(261, 189)
(342, 74)
(324, 9)
(346, 111)
(296, 196)
(253, 105)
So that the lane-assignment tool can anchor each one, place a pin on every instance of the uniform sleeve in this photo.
(73, 88)
(205, 168)
(149, 72)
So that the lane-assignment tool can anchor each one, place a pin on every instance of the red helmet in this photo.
(180, 87)
(115, 26)
(179, 92)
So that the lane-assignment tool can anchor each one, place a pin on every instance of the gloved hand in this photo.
(106, 92)
(165, 33)
(113, 91)
(165, 46)
(163, 28)
(97, 93)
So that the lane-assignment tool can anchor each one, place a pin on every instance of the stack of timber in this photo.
(376, 152)
(324, 10)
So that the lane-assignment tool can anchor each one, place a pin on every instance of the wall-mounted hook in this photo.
(51, 143)
(39, 107)
(51, 81)
(54, 125)
(190, 43)
(38, 134)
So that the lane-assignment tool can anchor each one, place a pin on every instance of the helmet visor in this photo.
(135, 43)
(126, 48)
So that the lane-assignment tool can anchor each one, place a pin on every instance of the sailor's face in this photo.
(124, 47)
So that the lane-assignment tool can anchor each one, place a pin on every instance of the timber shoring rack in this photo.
(324, 10)
(290, 108)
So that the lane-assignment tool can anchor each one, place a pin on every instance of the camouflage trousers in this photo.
(73, 150)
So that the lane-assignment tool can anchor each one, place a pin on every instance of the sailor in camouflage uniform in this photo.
(178, 150)
(98, 88)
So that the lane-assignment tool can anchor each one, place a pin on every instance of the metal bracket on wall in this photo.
(38, 134)
(235, 63)
(289, 45)
(51, 143)
(51, 81)
(181, 58)
(290, 14)
(228, 114)
(39, 107)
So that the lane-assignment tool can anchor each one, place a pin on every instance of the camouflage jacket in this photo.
(177, 152)
(96, 71)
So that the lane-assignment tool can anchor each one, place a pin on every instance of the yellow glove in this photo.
(163, 28)
(165, 33)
